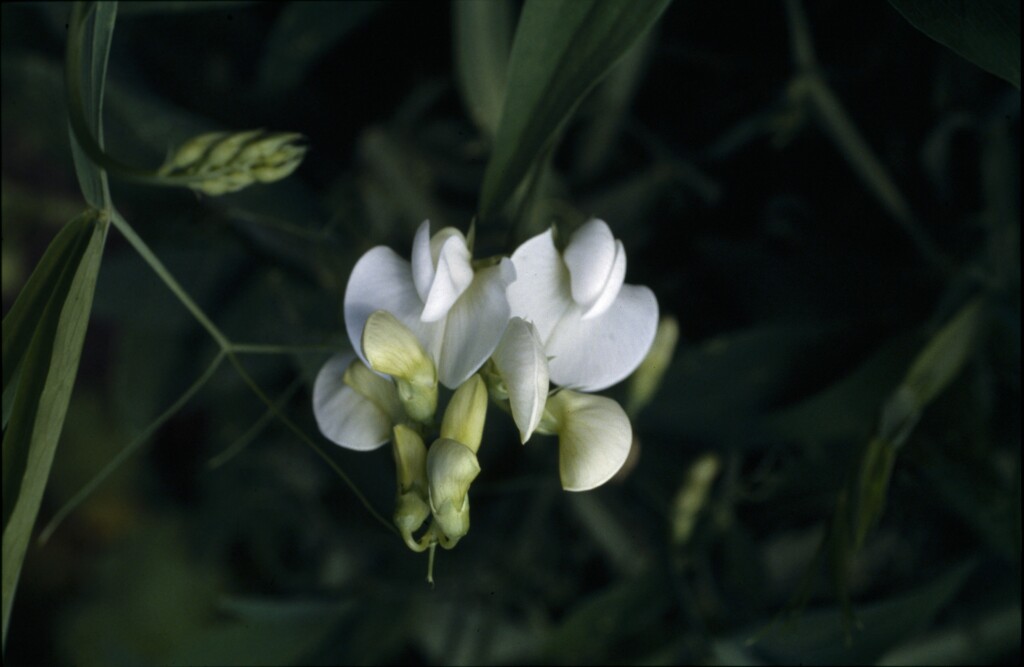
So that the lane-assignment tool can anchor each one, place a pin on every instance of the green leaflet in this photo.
(986, 32)
(47, 374)
(562, 48)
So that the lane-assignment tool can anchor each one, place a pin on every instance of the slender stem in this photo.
(290, 425)
(800, 36)
(158, 267)
(236, 447)
(811, 88)
(228, 349)
(130, 449)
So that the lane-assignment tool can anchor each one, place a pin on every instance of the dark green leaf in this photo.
(561, 49)
(483, 36)
(40, 404)
(986, 32)
(21, 321)
(99, 30)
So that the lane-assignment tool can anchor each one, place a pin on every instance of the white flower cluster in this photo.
(504, 330)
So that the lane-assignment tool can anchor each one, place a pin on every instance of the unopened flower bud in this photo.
(466, 412)
(374, 388)
(451, 468)
(411, 508)
(393, 350)
(220, 162)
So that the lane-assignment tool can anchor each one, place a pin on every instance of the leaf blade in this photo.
(33, 432)
(985, 32)
(560, 51)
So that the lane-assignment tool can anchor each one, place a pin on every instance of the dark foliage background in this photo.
(801, 300)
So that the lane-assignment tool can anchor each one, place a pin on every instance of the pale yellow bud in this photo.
(375, 389)
(410, 460)
(411, 506)
(393, 350)
(451, 468)
(466, 412)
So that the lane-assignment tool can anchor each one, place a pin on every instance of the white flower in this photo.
(594, 437)
(594, 329)
(354, 407)
(456, 311)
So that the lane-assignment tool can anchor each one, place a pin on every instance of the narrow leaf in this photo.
(40, 405)
(483, 37)
(986, 32)
(21, 320)
(92, 69)
(562, 48)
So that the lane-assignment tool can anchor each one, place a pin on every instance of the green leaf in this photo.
(47, 375)
(483, 37)
(562, 48)
(986, 32)
(99, 29)
(20, 322)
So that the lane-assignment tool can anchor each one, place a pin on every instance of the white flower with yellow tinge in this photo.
(539, 318)
(594, 328)
(578, 325)
(457, 311)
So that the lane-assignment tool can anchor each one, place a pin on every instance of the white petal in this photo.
(590, 257)
(475, 324)
(343, 415)
(611, 288)
(593, 439)
(452, 277)
(593, 354)
(540, 293)
(381, 280)
(422, 262)
(524, 369)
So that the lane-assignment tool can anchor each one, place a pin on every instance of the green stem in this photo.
(130, 449)
(290, 425)
(236, 447)
(158, 267)
(228, 349)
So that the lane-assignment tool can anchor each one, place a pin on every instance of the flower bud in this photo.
(466, 412)
(451, 468)
(374, 388)
(220, 162)
(411, 508)
(393, 350)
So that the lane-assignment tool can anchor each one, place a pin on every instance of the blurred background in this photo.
(814, 226)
